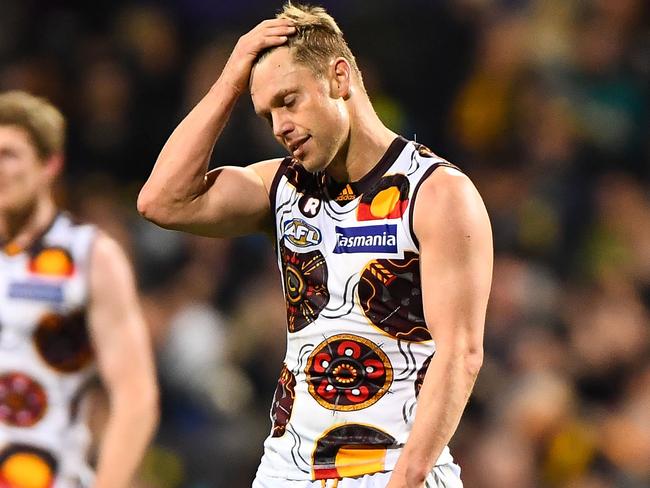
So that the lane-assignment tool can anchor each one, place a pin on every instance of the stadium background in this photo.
(544, 103)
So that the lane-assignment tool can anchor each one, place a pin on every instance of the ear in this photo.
(340, 78)
(53, 166)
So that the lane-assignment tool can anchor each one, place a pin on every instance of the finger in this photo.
(280, 31)
(275, 41)
(276, 23)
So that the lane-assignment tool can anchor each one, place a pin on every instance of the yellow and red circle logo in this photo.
(351, 450)
(52, 261)
(26, 467)
(389, 199)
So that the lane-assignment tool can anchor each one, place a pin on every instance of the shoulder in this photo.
(268, 169)
(109, 265)
(106, 249)
(446, 184)
(66, 229)
(448, 200)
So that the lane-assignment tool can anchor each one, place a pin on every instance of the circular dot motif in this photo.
(63, 341)
(348, 372)
(23, 400)
(391, 297)
(305, 286)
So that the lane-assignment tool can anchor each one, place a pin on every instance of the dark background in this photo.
(545, 105)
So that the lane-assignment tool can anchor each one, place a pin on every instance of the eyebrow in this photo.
(277, 100)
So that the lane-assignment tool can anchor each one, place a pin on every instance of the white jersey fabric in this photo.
(358, 346)
(45, 359)
(441, 476)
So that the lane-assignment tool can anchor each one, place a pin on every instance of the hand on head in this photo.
(267, 34)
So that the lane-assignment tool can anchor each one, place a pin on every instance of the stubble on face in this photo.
(296, 102)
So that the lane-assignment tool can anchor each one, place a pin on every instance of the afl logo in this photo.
(300, 233)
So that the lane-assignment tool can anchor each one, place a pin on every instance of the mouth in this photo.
(296, 147)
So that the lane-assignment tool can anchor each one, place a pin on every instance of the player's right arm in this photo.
(229, 201)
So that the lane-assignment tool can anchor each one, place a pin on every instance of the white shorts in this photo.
(443, 476)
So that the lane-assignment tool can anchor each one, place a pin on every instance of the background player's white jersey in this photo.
(45, 358)
(358, 346)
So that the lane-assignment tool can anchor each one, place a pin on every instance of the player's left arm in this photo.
(453, 230)
(125, 363)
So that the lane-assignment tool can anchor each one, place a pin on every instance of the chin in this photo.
(312, 166)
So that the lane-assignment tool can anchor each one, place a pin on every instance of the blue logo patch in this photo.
(36, 291)
(372, 238)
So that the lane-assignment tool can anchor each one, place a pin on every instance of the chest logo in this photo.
(346, 195)
(389, 199)
(52, 261)
(309, 206)
(45, 292)
(301, 234)
(371, 239)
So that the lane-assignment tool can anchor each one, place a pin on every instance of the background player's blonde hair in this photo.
(318, 39)
(43, 121)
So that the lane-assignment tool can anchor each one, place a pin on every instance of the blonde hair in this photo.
(318, 39)
(39, 118)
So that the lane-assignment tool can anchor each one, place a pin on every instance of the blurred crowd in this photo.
(545, 104)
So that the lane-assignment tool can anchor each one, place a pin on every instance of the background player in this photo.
(312, 94)
(68, 310)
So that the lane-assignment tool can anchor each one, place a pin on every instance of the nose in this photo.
(282, 125)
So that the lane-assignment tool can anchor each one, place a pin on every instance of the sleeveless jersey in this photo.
(358, 346)
(45, 359)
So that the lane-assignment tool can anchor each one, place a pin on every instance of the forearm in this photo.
(444, 394)
(126, 437)
(179, 173)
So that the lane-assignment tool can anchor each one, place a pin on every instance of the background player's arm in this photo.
(125, 363)
(456, 256)
(230, 201)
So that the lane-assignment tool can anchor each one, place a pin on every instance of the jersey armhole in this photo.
(426, 175)
(273, 191)
(280, 172)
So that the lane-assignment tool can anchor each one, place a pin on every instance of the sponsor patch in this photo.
(300, 233)
(371, 238)
(387, 200)
(52, 261)
(45, 292)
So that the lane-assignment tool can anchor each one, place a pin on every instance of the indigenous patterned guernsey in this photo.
(45, 359)
(358, 346)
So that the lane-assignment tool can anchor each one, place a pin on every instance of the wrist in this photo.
(225, 85)
(413, 468)
(415, 475)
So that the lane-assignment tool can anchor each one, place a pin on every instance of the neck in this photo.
(22, 227)
(367, 142)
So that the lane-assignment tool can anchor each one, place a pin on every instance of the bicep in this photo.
(235, 202)
(117, 326)
(456, 255)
